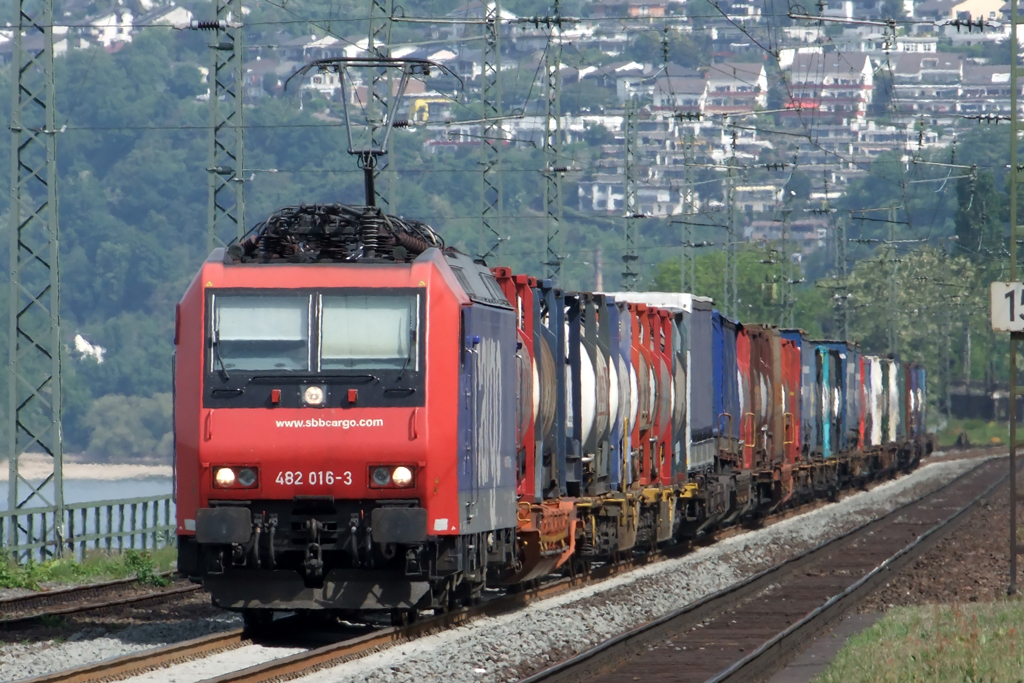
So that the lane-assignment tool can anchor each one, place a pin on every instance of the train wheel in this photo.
(404, 617)
(257, 619)
(442, 599)
(468, 593)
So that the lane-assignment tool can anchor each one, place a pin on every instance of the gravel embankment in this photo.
(215, 665)
(511, 646)
(970, 564)
(101, 640)
(506, 647)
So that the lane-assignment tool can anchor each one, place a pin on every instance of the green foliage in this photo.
(979, 432)
(689, 49)
(146, 566)
(892, 9)
(125, 426)
(133, 200)
(968, 643)
(757, 287)
(15, 576)
(799, 185)
(141, 564)
(978, 220)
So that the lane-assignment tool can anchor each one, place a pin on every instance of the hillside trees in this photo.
(133, 200)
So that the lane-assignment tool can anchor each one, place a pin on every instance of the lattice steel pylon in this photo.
(226, 210)
(1015, 234)
(34, 379)
(552, 156)
(493, 134)
(631, 203)
(842, 292)
(893, 294)
(786, 280)
(688, 265)
(379, 45)
(729, 287)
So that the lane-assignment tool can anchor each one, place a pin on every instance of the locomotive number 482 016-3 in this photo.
(313, 478)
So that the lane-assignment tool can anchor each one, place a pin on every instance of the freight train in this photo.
(369, 422)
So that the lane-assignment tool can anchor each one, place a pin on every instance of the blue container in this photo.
(726, 378)
(841, 354)
(702, 417)
(611, 312)
(831, 412)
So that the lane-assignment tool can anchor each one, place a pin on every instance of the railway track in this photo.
(749, 630)
(315, 658)
(62, 602)
(347, 648)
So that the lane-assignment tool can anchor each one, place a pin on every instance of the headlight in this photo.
(402, 476)
(224, 477)
(313, 396)
(381, 476)
(247, 477)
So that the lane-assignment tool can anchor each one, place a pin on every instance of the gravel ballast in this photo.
(511, 646)
(215, 665)
(507, 647)
(29, 659)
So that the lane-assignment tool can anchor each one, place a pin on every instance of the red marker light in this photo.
(275, 396)
(352, 394)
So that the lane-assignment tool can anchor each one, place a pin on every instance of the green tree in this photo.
(122, 427)
(758, 286)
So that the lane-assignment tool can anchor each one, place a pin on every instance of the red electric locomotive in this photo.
(322, 460)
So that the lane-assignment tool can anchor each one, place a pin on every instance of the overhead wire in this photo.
(810, 129)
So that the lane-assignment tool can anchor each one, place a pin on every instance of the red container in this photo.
(766, 391)
(792, 437)
(747, 420)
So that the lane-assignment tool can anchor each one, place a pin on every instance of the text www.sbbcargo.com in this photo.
(315, 422)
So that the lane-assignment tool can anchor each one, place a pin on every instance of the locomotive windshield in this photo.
(360, 331)
(262, 332)
(313, 332)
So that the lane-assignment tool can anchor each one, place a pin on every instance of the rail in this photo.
(20, 610)
(601, 661)
(131, 523)
(346, 648)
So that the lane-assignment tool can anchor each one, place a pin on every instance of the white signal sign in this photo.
(1008, 306)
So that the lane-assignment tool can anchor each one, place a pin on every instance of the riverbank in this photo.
(37, 466)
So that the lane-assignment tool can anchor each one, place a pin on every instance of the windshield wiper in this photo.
(217, 357)
(404, 366)
(412, 350)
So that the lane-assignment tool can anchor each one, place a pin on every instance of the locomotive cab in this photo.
(321, 461)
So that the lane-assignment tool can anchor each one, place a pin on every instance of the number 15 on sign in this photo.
(1008, 306)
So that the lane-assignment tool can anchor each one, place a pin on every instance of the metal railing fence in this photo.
(142, 523)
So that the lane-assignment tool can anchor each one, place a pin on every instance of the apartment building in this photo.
(836, 86)
(736, 87)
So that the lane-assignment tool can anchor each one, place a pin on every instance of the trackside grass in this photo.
(980, 432)
(97, 566)
(974, 643)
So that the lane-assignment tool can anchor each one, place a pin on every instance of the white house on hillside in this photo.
(112, 28)
(736, 87)
(833, 85)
